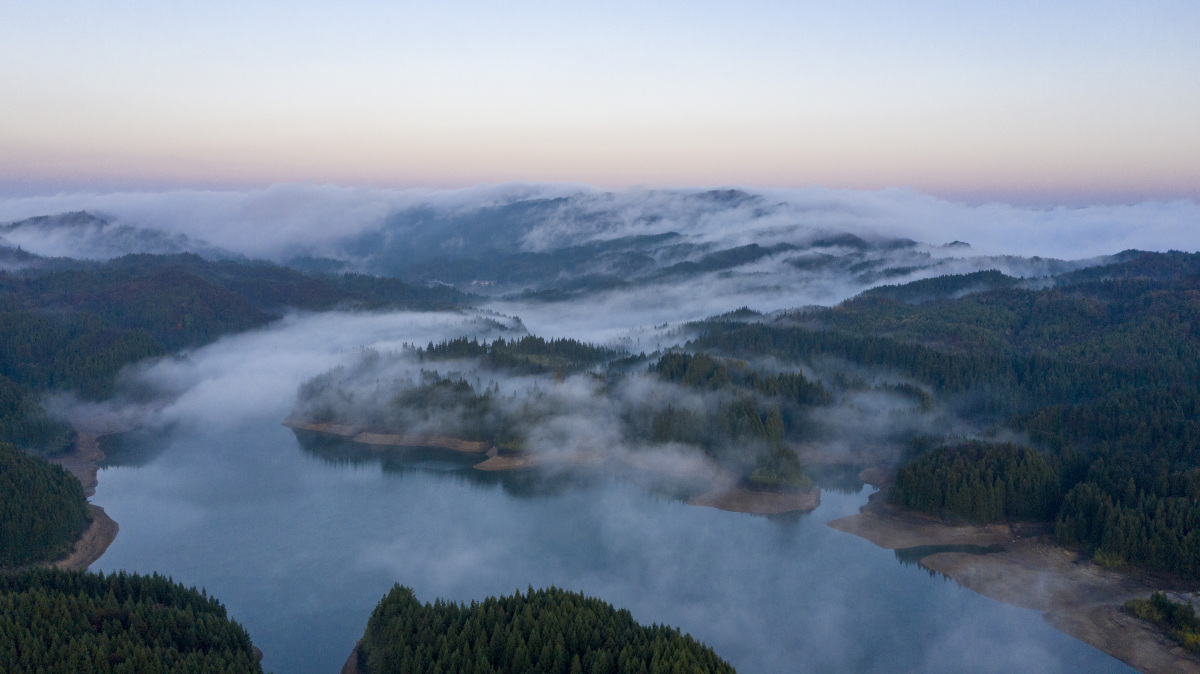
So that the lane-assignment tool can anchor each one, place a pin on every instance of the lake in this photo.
(300, 547)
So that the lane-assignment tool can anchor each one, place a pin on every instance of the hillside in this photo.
(547, 630)
(1098, 368)
(70, 325)
(61, 621)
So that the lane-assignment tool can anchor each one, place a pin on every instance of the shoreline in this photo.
(83, 461)
(351, 666)
(1074, 595)
(724, 493)
(755, 502)
(384, 440)
(92, 543)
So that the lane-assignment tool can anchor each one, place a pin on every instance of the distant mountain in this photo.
(82, 235)
(734, 245)
(729, 241)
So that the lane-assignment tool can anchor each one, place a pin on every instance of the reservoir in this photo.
(300, 549)
(300, 543)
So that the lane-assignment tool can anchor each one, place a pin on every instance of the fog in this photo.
(283, 221)
(301, 549)
(318, 542)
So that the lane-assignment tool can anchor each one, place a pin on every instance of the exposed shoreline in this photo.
(373, 439)
(1074, 595)
(92, 543)
(753, 501)
(351, 666)
(726, 493)
(83, 461)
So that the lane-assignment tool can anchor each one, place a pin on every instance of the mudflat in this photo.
(1075, 595)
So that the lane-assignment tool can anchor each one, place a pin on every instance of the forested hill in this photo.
(1099, 368)
(550, 631)
(72, 325)
(42, 509)
(60, 621)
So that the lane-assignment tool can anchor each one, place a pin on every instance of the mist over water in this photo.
(300, 541)
(300, 546)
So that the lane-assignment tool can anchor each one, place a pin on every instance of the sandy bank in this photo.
(339, 430)
(1073, 594)
(83, 461)
(437, 441)
(742, 500)
(894, 528)
(518, 462)
(92, 544)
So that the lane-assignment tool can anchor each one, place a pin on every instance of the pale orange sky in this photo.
(1021, 100)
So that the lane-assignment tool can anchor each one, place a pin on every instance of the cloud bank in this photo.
(283, 221)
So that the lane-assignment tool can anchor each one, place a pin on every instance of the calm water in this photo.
(300, 548)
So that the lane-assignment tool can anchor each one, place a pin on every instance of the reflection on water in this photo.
(519, 483)
(915, 554)
(133, 448)
(841, 478)
(301, 540)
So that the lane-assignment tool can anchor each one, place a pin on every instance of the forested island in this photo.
(719, 422)
(549, 630)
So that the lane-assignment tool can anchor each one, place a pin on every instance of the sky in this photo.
(1024, 102)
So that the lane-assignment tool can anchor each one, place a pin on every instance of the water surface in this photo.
(301, 548)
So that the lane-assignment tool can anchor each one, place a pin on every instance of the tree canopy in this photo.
(549, 630)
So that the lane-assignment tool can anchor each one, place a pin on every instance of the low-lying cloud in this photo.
(282, 221)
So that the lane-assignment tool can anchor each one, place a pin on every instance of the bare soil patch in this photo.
(83, 461)
(1074, 595)
(92, 543)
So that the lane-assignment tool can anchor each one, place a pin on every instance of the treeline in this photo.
(454, 407)
(527, 355)
(74, 622)
(1177, 619)
(550, 630)
(42, 509)
(703, 371)
(1100, 367)
(72, 325)
(980, 482)
(943, 287)
(746, 428)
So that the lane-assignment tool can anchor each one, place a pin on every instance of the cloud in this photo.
(280, 221)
